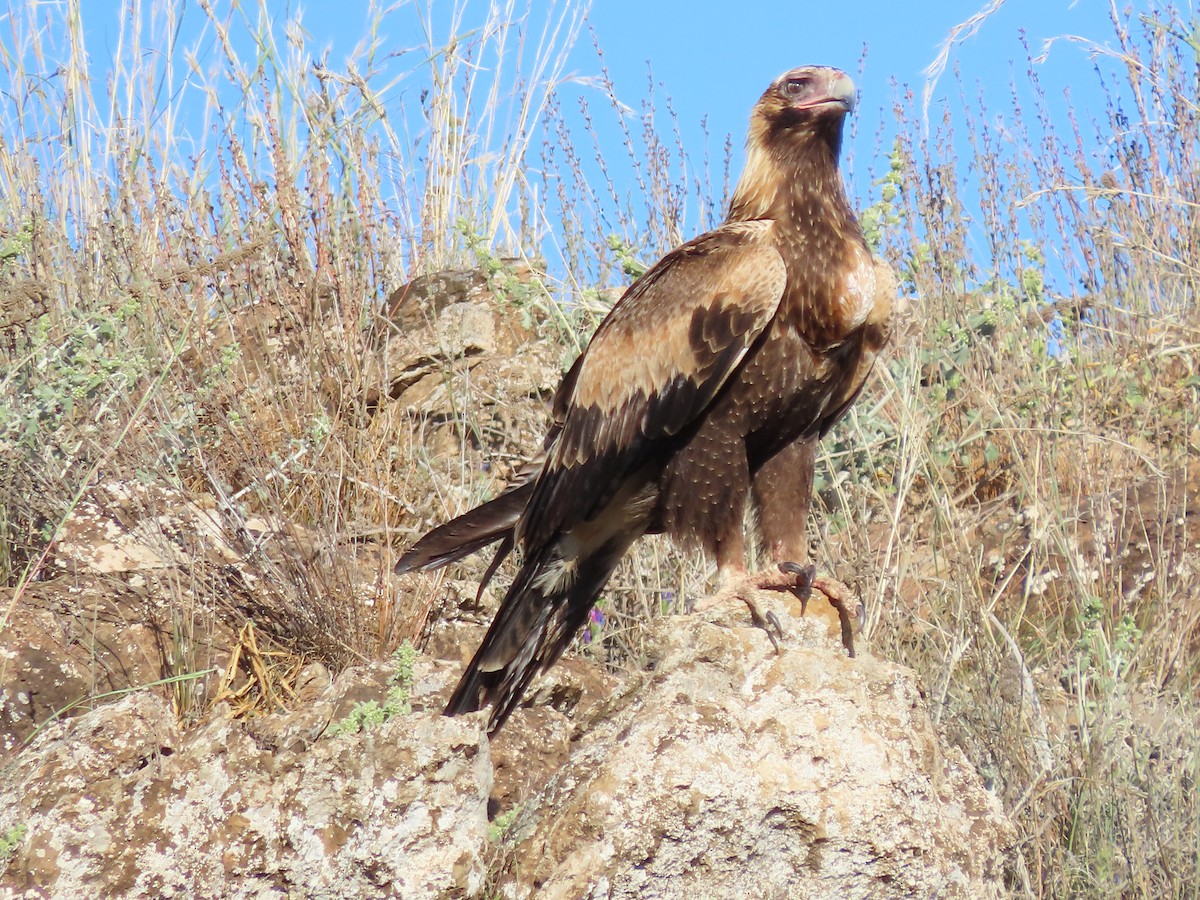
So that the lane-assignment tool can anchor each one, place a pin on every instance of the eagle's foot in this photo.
(838, 595)
(797, 579)
(768, 622)
(743, 589)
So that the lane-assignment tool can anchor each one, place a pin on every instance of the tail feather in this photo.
(485, 524)
(540, 615)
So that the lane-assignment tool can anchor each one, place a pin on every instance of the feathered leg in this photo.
(705, 491)
(783, 494)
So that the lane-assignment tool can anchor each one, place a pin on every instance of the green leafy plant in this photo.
(371, 713)
(10, 840)
(500, 825)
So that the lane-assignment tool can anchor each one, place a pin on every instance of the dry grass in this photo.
(211, 279)
(1015, 499)
(1018, 494)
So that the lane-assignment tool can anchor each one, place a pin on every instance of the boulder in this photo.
(730, 771)
(723, 770)
(121, 803)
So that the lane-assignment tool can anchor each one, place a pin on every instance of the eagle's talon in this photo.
(804, 574)
(838, 595)
(802, 588)
(766, 623)
(774, 640)
(847, 628)
(773, 621)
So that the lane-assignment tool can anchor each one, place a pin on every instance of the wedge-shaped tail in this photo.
(546, 605)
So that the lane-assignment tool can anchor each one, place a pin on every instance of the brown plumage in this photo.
(709, 382)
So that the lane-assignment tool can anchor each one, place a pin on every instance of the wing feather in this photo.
(706, 304)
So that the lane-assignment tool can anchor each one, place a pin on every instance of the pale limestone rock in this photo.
(733, 772)
(119, 803)
(725, 771)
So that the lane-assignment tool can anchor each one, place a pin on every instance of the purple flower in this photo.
(595, 623)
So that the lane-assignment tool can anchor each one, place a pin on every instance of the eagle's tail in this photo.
(547, 604)
(485, 524)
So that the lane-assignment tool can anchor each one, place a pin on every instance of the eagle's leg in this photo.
(782, 495)
(704, 489)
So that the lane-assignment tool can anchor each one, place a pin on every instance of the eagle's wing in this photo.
(876, 331)
(652, 369)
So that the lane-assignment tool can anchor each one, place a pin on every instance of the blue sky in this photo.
(713, 59)
(718, 56)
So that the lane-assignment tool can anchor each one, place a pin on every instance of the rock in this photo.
(22, 301)
(420, 302)
(417, 366)
(119, 803)
(455, 320)
(67, 640)
(147, 582)
(537, 740)
(723, 771)
(733, 772)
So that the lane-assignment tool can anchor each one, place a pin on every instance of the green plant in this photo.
(885, 213)
(10, 840)
(500, 825)
(71, 384)
(632, 267)
(369, 713)
(16, 245)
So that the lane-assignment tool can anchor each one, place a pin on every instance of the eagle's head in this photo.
(793, 144)
(804, 104)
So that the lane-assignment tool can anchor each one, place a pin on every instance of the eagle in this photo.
(704, 389)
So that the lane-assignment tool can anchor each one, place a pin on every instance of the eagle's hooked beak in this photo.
(839, 93)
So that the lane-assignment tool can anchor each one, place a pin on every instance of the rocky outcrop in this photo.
(730, 771)
(725, 770)
(121, 803)
(66, 641)
(145, 583)
(202, 762)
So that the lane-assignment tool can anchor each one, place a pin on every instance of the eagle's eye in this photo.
(795, 87)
